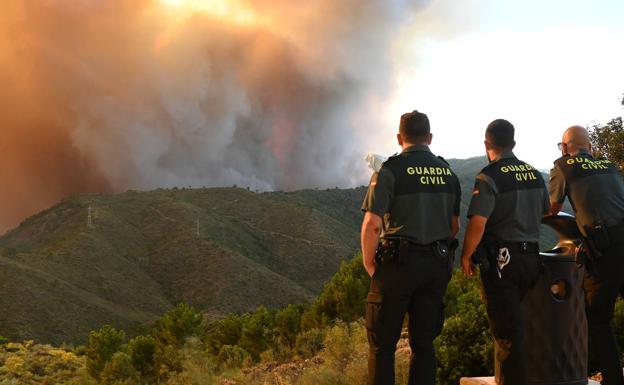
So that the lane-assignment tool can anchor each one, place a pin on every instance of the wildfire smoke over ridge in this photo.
(106, 95)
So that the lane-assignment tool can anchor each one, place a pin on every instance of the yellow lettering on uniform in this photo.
(423, 180)
(418, 170)
(410, 170)
(438, 170)
(522, 168)
(425, 171)
(570, 161)
(504, 169)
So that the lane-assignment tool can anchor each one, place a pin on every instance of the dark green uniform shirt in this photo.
(513, 196)
(594, 187)
(416, 194)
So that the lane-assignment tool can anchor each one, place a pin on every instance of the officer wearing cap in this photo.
(413, 203)
(508, 202)
(595, 189)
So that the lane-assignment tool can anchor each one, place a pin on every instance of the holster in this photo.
(481, 257)
(596, 240)
(445, 251)
(387, 251)
(486, 251)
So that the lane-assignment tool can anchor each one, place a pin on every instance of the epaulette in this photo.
(391, 157)
(443, 160)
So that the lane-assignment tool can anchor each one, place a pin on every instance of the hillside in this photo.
(222, 250)
(61, 278)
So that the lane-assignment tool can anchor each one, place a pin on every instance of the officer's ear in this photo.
(429, 138)
(400, 140)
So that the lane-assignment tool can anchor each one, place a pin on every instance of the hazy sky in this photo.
(543, 65)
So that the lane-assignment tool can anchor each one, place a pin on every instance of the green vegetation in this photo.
(30, 364)
(328, 333)
(607, 140)
(323, 342)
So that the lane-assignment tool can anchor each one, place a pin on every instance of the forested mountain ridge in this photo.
(124, 259)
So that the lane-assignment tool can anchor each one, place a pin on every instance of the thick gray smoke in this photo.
(117, 94)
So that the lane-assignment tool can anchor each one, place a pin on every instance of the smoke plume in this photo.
(106, 95)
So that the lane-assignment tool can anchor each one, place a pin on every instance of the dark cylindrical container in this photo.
(554, 312)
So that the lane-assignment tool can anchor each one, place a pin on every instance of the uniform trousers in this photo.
(603, 283)
(415, 287)
(503, 300)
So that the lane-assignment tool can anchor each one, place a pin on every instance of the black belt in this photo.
(521, 247)
(413, 246)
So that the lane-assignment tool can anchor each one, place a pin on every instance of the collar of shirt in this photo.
(417, 147)
(584, 151)
(505, 155)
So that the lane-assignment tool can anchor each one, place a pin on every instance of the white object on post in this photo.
(375, 161)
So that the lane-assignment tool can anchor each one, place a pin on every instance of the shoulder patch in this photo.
(442, 159)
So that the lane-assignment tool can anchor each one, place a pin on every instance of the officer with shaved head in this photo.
(595, 188)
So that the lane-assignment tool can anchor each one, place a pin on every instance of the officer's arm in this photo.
(474, 233)
(556, 190)
(455, 226)
(481, 207)
(371, 228)
(376, 203)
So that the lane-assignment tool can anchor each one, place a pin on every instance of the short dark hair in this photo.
(501, 133)
(414, 126)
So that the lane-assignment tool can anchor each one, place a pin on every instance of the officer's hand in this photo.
(370, 269)
(468, 267)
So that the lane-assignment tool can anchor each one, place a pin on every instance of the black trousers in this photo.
(603, 283)
(503, 300)
(415, 287)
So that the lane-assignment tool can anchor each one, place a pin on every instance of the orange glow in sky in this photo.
(233, 10)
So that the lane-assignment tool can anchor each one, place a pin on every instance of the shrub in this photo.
(119, 371)
(342, 298)
(288, 323)
(4, 341)
(177, 325)
(101, 347)
(309, 342)
(340, 344)
(257, 332)
(170, 334)
(142, 350)
(80, 350)
(231, 357)
(465, 347)
(226, 331)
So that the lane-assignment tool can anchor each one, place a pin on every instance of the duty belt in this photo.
(521, 247)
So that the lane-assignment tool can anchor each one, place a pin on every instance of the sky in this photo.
(543, 65)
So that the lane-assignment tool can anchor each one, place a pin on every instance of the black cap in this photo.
(414, 125)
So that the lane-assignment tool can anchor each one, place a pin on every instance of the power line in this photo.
(90, 217)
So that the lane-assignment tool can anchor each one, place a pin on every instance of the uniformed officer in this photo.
(595, 189)
(508, 202)
(413, 202)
